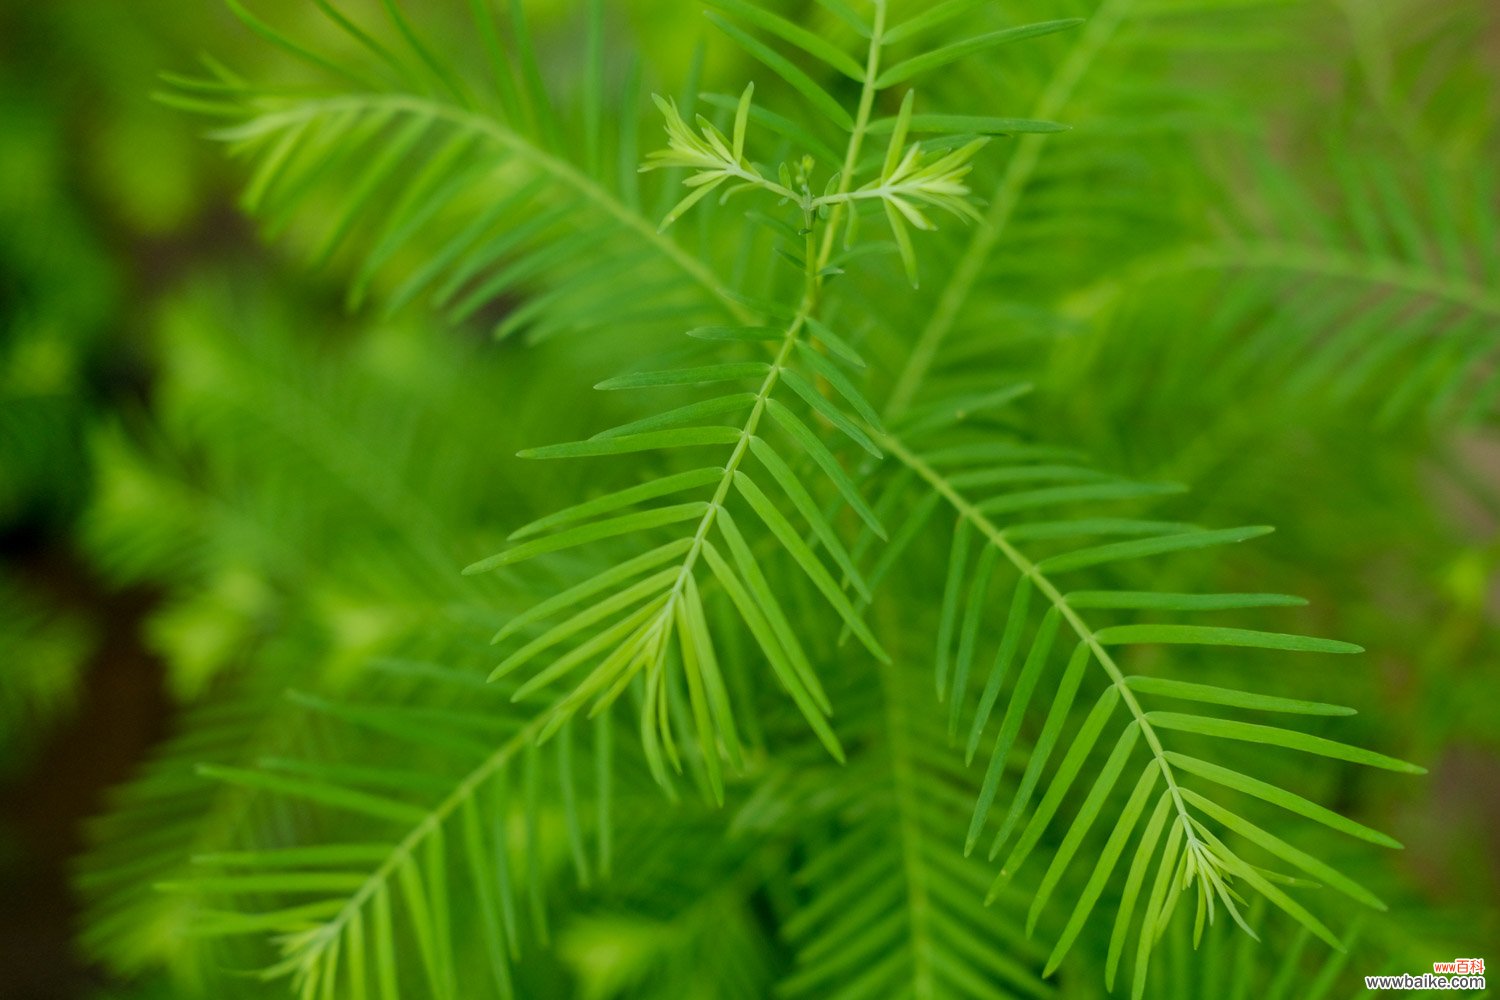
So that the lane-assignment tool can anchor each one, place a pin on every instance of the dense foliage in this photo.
(848, 414)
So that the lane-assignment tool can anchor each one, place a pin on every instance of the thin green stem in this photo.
(749, 177)
(857, 136)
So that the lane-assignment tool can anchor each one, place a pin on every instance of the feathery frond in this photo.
(1193, 857)
(656, 626)
(1386, 301)
(465, 857)
(455, 190)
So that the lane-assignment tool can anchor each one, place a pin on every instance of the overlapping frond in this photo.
(660, 928)
(460, 188)
(888, 906)
(1115, 189)
(277, 503)
(449, 837)
(885, 35)
(1011, 500)
(645, 617)
(1290, 963)
(1345, 267)
(1388, 301)
(270, 468)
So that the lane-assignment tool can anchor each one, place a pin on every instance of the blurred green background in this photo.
(137, 567)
